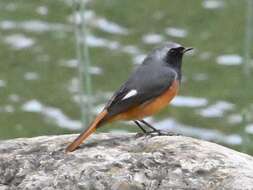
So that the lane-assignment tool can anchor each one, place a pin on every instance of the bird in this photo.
(149, 89)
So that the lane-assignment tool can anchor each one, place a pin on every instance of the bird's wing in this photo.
(147, 82)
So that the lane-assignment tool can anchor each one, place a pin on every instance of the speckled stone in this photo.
(122, 161)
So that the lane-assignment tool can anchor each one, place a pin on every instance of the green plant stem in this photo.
(84, 64)
(248, 38)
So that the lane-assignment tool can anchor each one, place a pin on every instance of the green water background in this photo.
(43, 71)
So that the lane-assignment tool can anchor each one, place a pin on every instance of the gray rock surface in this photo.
(122, 162)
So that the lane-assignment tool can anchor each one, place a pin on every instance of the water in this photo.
(39, 77)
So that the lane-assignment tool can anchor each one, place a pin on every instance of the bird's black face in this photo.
(174, 55)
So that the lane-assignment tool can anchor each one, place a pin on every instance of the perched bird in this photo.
(148, 89)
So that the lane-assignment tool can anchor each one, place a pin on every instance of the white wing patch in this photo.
(130, 94)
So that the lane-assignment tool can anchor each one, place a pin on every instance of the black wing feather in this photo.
(150, 80)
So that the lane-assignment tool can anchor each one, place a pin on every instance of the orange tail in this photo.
(91, 129)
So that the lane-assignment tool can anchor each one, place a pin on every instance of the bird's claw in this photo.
(157, 133)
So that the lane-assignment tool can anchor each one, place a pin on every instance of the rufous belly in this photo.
(151, 107)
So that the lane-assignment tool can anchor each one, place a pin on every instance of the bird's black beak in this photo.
(187, 49)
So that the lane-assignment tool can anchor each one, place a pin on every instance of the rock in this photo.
(122, 161)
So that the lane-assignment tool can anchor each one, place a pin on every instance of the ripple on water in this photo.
(53, 114)
(94, 41)
(34, 26)
(7, 109)
(2, 83)
(207, 134)
(216, 110)
(7, 25)
(212, 4)
(111, 27)
(14, 98)
(152, 38)
(31, 76)
(235, 118)
(88, 15)
(19, 41)
(176, 32)
(187, 101)
(99, 22)
(229, 59)
(130, 49)
(42, 26)
(73, 63)
(42, 10)
(249, 128)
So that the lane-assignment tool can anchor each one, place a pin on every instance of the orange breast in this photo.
(151, 107)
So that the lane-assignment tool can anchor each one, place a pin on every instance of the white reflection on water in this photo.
(176, 32)
(216, 110)
(212, 4)
(34, 26)
(152, 38)
(19, 41)
(249, 128)
(7, 25)
(235, 118)
(2, 83)
(42, 10)
(73, 85)
(31, 76)
(230, 59)
(7, 109)
(94, 41)
(130, 49)
(42, 26)
(110, 27)
(95, 70)
(52, 114)
(14, 98)
(99, 22)
(207, 134)
(187, 101)
(73, 63)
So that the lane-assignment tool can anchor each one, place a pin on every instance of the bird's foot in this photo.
(172, 134)
(157, 133)
(139, 135)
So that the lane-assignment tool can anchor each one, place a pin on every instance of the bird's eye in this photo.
(172, 51)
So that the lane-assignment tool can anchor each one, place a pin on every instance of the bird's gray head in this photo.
(170, 54)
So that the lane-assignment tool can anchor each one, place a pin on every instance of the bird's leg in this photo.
(148, 125)
(139, 125)
(156, 130)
